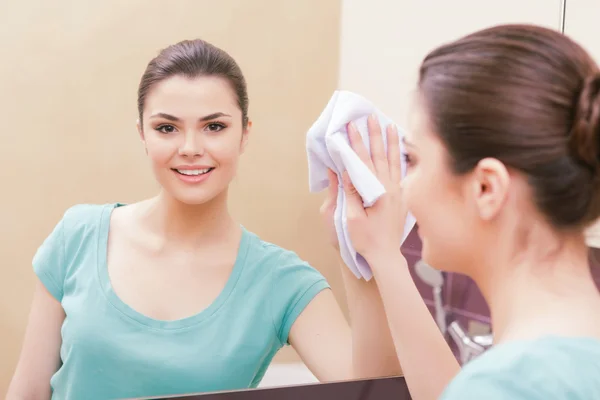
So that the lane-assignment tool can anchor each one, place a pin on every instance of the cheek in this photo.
(225, 151)
(416, 192)
(442, 223)
(161, 152)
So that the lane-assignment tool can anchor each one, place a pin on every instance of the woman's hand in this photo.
(376, 230)
(328, 209)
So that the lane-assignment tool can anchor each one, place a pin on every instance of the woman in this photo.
(506, 134)
(170, 295)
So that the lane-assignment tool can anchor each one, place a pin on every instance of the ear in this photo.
(140, 130)
(491, 186)
(245, 135)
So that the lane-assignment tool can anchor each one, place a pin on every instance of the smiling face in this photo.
(194, 136)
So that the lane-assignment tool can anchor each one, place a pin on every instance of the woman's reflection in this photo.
(170, 295)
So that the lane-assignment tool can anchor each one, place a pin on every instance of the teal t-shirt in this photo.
(110, 351)
(550, 368)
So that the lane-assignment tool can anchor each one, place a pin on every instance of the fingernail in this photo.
(352, 126)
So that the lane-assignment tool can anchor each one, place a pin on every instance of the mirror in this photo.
(368, 389)
(70, 76)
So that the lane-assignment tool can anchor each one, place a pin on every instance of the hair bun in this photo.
(584, 143)
(584, 140)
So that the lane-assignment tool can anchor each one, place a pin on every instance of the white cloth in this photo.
(328, 146)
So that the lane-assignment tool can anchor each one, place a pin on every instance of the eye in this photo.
(215, 126)
(407, 158)
(165, 128)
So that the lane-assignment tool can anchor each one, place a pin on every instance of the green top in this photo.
(544, 369)
(111, 351)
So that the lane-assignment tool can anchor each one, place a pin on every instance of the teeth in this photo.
(193, 171)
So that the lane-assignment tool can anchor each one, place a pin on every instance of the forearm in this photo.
(27, 389)
(427, 361)
(373, 351)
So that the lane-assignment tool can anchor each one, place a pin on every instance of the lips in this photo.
(193, 175)
(193, 172)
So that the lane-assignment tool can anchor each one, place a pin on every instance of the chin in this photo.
(429, 257)
(195, 200)
(194, 197)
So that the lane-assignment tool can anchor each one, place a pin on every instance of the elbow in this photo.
(381, 368)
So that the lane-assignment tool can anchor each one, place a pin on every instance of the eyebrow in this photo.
(202, 119)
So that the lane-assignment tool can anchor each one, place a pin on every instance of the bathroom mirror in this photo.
(69, 77)
(368, 389)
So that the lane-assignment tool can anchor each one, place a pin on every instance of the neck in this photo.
(539, 292)
(184, 224)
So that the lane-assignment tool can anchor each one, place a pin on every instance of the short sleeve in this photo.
(49, 261)
(295, 284)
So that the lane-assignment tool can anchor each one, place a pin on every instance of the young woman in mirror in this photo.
(171, 295)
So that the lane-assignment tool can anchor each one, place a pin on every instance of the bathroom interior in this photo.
(300, 52)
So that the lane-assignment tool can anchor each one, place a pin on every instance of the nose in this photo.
(192, 145)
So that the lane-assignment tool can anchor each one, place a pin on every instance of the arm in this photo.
(321, 335)
(373, 349)
(333, 351)
(428, 362)
(376, 233)
(40, 354)
(322, 338)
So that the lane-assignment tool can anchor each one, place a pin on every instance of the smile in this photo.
(193, 172)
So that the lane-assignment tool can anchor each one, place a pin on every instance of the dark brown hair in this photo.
(529, 97)
(194, 58)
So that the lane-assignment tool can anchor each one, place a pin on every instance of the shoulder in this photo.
(277, 260)
(82, 223)
(544, 368)
(72, 235)
(76, 220)
(81, 216)
(293, 283)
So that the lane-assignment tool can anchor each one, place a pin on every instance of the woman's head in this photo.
(506, 138)
(193, 119)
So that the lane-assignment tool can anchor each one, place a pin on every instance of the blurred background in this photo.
(69, 72)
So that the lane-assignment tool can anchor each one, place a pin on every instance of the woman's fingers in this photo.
(330, 201)
(333, 183)
(378, 155)
(356, 142)
(393, 154)
(383, 164)
(354, 204)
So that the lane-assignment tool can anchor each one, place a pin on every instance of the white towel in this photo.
(328, 146)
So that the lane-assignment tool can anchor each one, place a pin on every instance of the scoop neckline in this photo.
(130, 312)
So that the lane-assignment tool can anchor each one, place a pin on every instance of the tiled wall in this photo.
(462, 299)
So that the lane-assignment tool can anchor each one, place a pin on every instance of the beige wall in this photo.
(383, 41)
(581, 23)
(68, 79)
